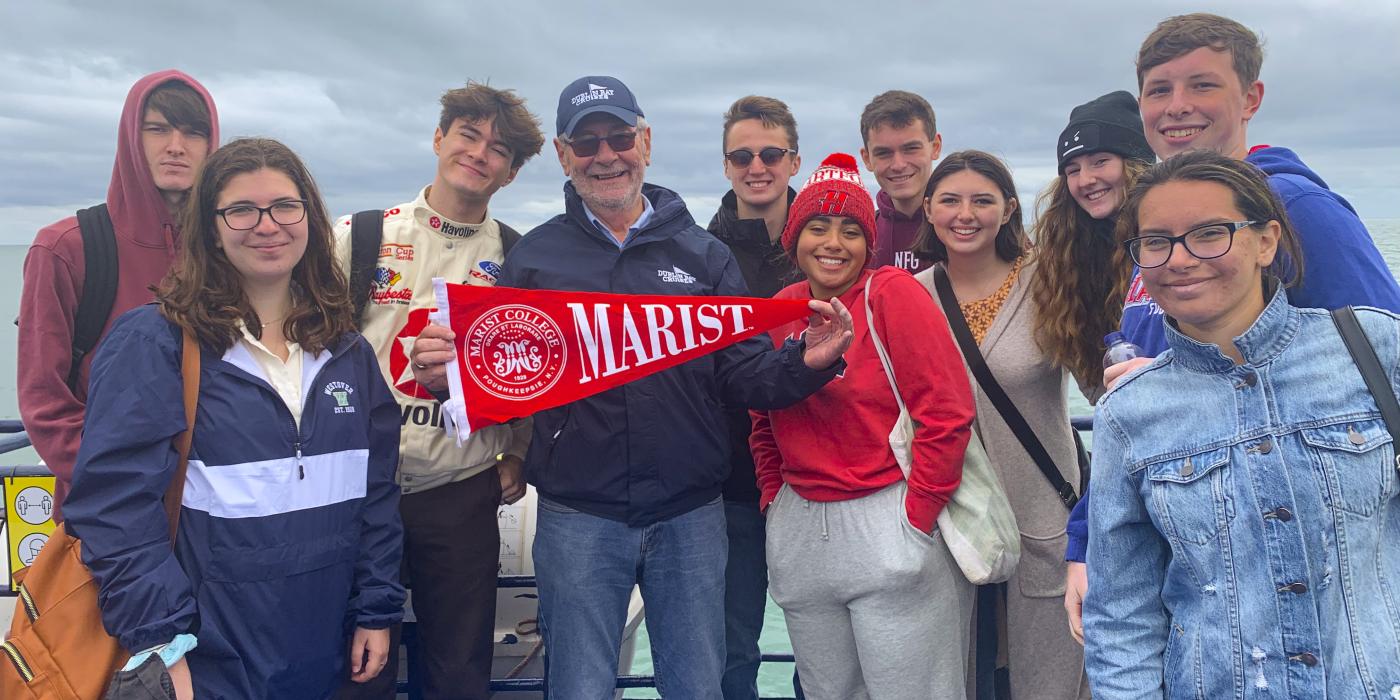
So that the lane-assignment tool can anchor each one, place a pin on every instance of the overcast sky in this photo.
(353, 85)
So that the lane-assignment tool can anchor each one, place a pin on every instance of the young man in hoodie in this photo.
(168, 126)
(760, 156)
(901, 143)
(1199, 87)
(450, 493)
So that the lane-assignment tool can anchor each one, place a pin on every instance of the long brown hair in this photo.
(1010, 241)
(203, 293)
(1080, 280)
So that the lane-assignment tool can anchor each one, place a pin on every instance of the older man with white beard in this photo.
(629, 479)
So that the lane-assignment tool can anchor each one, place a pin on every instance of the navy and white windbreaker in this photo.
(658, 446)
(288, 538)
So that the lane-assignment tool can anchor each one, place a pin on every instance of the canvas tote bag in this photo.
(977, 523)
(57, 648)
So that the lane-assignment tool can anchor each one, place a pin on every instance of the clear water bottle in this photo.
(1119, 349)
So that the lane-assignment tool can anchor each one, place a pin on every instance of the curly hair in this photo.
(1080, 280)
(203, 293)
(516, 127)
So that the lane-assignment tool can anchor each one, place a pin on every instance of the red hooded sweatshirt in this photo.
(147, 240)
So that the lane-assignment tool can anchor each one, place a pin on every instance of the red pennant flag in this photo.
(520, 351)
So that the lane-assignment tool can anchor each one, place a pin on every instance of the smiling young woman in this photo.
(1082, 273)
(286, 562)
(974, 231)
(1253, 432)
(843, 522)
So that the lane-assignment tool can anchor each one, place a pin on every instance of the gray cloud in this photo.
(353, 85)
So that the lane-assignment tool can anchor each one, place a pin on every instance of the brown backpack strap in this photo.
(189, 373)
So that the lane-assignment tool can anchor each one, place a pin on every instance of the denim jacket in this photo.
(1245, 530)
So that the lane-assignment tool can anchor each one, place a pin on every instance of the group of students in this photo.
(1244, 480)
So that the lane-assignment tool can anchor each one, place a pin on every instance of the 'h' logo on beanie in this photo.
(833, 189)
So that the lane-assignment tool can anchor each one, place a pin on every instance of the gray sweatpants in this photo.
(874, 608)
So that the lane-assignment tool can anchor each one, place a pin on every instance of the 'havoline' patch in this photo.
(450, 228)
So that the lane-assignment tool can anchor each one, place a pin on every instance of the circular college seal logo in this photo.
(514, 352)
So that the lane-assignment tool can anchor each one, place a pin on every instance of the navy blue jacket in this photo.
(766, 270)
(288, 537)
(656, 447)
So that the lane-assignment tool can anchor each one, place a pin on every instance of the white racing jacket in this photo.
(420, 244)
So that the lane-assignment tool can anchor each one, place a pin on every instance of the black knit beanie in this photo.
(1108, 123)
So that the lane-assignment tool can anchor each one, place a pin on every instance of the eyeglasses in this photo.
(1203, 243)
(245, 217)
(741, 157)
(588, 146)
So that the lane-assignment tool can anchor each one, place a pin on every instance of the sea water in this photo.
(774, 679)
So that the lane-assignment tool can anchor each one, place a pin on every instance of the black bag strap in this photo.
(100, 273)
(1377, 381)
(366, 235)
(1082, 454)
(509, 237)
(994, 392)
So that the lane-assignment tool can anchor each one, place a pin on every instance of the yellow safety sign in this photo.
(28, 517)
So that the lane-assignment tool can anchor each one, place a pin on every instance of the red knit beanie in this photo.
(834, 189)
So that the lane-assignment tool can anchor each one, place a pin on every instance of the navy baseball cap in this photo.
(595, 93)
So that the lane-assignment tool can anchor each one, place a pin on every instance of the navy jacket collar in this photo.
(669, 217)
(751, 234)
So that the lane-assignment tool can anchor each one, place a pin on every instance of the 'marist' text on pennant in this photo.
(520, 351)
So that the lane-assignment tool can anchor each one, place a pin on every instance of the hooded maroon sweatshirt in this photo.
(147, 240)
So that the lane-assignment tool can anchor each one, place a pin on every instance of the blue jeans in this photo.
(585, 567)
(745, 598)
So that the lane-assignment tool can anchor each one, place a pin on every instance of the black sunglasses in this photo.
(588, 146)
(741, 157)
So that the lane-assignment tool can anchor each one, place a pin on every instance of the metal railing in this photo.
(13, 437)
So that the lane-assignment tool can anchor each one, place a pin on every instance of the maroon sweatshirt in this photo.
(147, 241)
(894, 244)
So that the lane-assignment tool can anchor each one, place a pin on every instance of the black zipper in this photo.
(30, 609)
(554, 439)
(21, 665)
(305, 401)
(301, 470)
